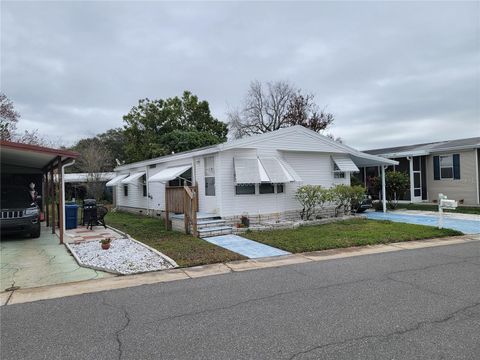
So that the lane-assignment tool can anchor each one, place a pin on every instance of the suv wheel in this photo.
(35, 233)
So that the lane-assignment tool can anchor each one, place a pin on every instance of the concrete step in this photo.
(200, 216)
(202, 224)
(214, 231)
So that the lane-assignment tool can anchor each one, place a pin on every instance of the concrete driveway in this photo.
(412, 304)
(27, 262)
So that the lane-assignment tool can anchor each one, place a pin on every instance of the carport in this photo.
(23, 163)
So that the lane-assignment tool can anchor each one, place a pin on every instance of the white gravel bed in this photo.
(125, 256)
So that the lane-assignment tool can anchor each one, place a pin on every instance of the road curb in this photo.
(91, 286)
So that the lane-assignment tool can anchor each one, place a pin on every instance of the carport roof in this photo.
(32, 156)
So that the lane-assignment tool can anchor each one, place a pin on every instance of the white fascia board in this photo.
(167, 158)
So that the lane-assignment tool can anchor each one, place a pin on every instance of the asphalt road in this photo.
(416, 304)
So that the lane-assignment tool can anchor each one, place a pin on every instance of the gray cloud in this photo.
(393, 73)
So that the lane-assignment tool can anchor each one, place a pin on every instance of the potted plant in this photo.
(106, 243)
(245, 221)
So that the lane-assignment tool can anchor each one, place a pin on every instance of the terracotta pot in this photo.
(106, 246)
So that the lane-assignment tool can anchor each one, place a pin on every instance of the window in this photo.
(209, 186)
(210, 176)
(125, 190)
(337, 173)
(184, 179)
(267, 188)
(446, 167)
(144, 185)
(279, 188)
(245, 189)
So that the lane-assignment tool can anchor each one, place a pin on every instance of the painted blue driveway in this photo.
(465, 226)
(245, 247)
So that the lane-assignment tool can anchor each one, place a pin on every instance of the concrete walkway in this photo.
(245, 247)
(119, 282)
(27, 262)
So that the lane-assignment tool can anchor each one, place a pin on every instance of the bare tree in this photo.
(264, 109)
(8, 118)
(95, 158)
(276, 106)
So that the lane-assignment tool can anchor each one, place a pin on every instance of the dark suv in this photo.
(19, 214)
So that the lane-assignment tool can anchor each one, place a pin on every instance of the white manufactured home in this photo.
(255, 176)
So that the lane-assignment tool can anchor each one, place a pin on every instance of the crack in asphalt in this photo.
(296, 291)
(126, 315)
(415, 327)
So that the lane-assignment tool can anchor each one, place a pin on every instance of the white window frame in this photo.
(445, 167)
(209, 176)
(254, 194)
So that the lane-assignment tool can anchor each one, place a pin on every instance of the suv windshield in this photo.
(16, 198)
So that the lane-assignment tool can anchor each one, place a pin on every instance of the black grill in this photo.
(12, 214)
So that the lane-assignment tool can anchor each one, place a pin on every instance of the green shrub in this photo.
(396, 184)
(344, 196)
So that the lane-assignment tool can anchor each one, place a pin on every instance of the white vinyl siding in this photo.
(135, 196)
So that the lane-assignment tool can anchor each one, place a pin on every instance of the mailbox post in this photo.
(444, 203)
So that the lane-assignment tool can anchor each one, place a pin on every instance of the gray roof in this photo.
(427, 148)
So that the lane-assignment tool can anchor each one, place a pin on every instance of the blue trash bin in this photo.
(71, 216)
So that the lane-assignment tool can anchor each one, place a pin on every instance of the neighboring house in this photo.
(448, 167)
(76, 184)
(257, 175)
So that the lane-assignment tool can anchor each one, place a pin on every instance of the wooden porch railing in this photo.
(184, 200)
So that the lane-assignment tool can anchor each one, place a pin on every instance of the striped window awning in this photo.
(344, 163)
(132, 179)
(169, 173)
(116, 180)
(263, 170)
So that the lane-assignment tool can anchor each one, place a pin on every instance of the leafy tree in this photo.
(8, 118)
(153, 125)
(274, 106)
(114, 141)
(396, 184)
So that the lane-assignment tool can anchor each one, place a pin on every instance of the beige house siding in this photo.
(463, 189)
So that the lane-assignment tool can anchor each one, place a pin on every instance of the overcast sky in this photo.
(392, 73)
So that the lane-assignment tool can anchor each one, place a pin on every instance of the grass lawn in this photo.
(427, 207)
(186, 250)
(345, 234)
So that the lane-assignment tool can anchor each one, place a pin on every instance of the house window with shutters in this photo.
(446, 167)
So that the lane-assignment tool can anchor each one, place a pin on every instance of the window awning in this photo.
(246, 171)
(344, 163)
(276, 172)
(116, 180)
(133, 177)
(263, 170)
(169, 173)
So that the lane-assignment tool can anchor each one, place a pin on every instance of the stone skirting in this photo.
(294, 224)
(290, 215)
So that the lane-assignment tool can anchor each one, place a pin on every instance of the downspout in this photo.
(384, 197)
(412, 192)
(477, 175)
(63, 191)
(148, 192)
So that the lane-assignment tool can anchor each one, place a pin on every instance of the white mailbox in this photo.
(448, 204)
(444, 203)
